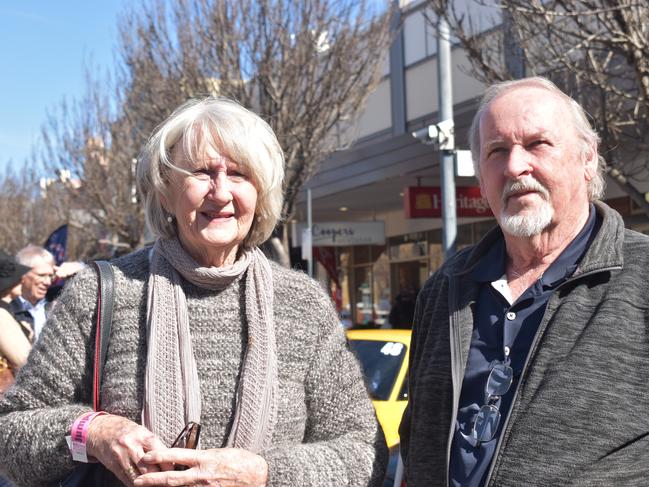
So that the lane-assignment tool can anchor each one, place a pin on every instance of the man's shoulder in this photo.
(636, 239)
(16, 304)
(636, 252)
(454, 266)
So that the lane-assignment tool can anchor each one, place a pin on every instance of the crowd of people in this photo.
(528, 360)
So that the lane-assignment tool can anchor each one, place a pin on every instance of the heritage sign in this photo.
(426, 202)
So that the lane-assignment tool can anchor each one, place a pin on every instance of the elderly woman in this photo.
(205, 330)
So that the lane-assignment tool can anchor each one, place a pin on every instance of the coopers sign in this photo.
(426, 202)
(348, 233)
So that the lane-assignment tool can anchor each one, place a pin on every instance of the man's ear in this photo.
(591, 162)
(479, 178)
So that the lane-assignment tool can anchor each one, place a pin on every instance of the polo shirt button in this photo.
(511, 316)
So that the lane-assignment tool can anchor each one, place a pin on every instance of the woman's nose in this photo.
(220, 188)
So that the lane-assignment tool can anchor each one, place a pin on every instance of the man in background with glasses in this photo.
(32, 305)
(530, 354)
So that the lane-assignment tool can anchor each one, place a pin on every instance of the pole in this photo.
(445, 97)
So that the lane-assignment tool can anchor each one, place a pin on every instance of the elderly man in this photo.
(530, 352)
(32, 305)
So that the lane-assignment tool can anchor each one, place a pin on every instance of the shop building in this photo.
(369, 182)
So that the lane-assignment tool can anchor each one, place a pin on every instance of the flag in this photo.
(56, 244)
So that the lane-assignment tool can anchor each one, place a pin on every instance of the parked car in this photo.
(383, 354)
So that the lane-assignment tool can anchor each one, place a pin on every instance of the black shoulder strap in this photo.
(105, 300)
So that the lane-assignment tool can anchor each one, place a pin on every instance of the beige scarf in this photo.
(171, 389)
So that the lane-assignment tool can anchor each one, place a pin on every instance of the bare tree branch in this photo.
(597, 50)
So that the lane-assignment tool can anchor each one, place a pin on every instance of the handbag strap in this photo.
(105, 301)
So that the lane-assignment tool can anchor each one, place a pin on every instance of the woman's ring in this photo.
(131, 472)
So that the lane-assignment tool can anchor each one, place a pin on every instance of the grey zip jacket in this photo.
(580, 415)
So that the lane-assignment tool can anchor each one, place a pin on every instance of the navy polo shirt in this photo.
(499, 324)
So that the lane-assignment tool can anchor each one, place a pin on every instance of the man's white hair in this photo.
(579, 120)
(31, 253)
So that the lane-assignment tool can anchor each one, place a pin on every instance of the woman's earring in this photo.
(170, 218)
(258, 218)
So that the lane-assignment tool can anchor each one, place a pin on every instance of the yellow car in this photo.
(383, 355)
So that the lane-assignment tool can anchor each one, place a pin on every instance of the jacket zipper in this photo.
(533, 347)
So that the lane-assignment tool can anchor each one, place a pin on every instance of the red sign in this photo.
(426, 202)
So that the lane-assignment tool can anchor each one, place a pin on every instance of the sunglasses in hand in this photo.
(188, 438)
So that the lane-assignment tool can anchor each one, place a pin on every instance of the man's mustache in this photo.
(528, 183)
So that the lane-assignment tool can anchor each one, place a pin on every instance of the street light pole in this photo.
(447, 175)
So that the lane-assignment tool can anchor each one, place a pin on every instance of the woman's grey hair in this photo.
(579, 119)
(228, 128)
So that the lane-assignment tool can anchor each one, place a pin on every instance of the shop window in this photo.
(344, 261)
(408, 247)
(381, 284)
(364, 309)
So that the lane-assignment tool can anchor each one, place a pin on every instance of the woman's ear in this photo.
(165, 202)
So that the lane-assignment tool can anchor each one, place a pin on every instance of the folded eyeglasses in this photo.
(188, 438)
(488, 417)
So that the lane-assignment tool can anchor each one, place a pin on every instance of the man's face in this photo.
(37, 281)
(534, 168)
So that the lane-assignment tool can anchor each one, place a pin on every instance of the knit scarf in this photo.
(172, 395)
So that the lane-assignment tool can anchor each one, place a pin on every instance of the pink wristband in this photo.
(79, 435)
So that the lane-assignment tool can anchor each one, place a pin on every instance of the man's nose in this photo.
(518, 163)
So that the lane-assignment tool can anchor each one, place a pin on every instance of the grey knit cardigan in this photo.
(326, 433)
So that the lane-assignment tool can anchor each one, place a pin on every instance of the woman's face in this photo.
(214, 207)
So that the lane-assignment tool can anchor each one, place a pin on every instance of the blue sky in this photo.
(43, 47)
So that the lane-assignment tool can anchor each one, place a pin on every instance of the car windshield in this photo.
(381, 362)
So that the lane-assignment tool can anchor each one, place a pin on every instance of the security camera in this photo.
(441, 135)
(427, 135)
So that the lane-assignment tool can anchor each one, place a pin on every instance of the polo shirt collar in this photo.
(491, 266)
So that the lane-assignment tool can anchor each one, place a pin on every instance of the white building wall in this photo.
(378, 113)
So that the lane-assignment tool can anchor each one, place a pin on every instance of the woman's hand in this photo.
(119, 444)
(222, 467)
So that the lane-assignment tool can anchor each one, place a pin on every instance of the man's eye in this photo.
(538, 143)
(497, 150)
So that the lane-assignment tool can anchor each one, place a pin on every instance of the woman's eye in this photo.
(202, 173)
(236, 174)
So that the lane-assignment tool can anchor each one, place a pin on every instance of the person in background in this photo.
(15, 336)
(206, 331)
(32, 306)
(529, 357)
(403, 308)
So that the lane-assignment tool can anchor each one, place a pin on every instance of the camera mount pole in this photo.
(445, 110)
